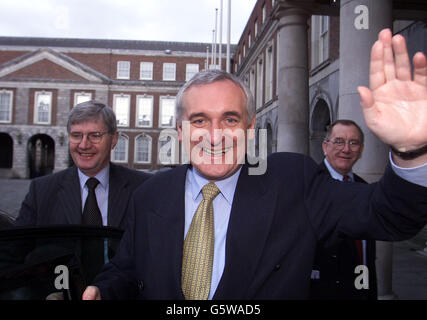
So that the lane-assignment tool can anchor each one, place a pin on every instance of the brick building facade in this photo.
(41, 79)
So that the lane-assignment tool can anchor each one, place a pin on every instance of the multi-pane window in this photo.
(269, 74)
(120, 152)
(43, 107)
(264, 14)
(259, 84)
(144, 111)
(169, 71)
(80, 97)
(123, 69)
(146, 71)
(143, 145)
(190, 70)
(166, 150)
(249, 40)
(319, 40)
(121, 106)
(167, 112)
(255, 28)
(6, 106)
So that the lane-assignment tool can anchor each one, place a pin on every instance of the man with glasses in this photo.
(333, 275)
(61, 198)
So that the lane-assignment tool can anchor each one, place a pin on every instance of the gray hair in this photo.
(93, 110)
(344, 122)
(210, 76)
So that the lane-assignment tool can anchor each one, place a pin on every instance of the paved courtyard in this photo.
(409, 259)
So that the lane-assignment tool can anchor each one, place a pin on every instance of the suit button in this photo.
(277, 267)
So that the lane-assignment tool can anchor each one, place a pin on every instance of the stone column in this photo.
(293, 108)
(360, 23)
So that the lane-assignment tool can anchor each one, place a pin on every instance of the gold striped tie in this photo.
(199, 248)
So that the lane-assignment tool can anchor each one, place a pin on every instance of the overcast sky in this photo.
(164, 20)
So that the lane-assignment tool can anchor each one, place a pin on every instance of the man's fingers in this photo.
(366, 97)
(376, 73)
(91, 293)
(420, 68)
(388, 58)
(403, 67)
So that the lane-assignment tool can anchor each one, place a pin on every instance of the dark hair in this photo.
(92, 110)
(344, 122)
(211, 76)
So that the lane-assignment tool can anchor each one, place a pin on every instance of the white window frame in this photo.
(88, 96)
(138, 107)
(264, 14)
(255, 28)
(172, 142)
(150, 148)
(190, 73)
(146, 63)
(36, 107)
(125, 138)
(123, 69)
(167, 73)
(319, 40)
(9, 111)
(259, 83)
(115, 97)
(269, 70)
(162, 98)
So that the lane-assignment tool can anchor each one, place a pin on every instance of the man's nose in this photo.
(215, 134)
(85, 143)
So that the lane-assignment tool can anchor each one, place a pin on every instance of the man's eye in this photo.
(197, 121)
(76, 134)
(95, 134)
(230, 120)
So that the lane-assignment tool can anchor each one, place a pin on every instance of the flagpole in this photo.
(228, 35)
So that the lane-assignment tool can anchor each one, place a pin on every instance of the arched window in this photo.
(143, 145)
(120, 152)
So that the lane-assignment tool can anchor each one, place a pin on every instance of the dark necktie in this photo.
(91, 213)
(358, 243)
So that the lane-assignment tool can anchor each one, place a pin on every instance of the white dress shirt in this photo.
(222, 208)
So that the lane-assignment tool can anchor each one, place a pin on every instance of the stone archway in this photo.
(41, 155)
(319, 122)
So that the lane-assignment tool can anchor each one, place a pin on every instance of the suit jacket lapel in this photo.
(250, 220)
(118, 197)
(167, 221)
(70, 196)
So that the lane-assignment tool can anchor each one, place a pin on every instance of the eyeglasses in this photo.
(339, 143)
(93, 137)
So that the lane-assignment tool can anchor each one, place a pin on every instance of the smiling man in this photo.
(212, 230)
(333, 274)
(61, 198)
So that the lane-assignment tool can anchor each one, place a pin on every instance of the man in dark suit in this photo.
(216, 229)
(333, 275)
(59, 198)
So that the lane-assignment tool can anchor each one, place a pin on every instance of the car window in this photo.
(53, 262)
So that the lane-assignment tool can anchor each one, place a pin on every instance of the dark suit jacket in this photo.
(276, 220)
(336, 265)
(56, 198)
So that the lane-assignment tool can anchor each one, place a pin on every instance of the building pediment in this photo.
(49, 64)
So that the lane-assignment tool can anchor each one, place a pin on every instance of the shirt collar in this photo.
(102, 176)
(336, 175)
(226, 186)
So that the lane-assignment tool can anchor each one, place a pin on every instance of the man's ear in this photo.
(179, 127)
(251, 133)
(324, 145)
(114, 140)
